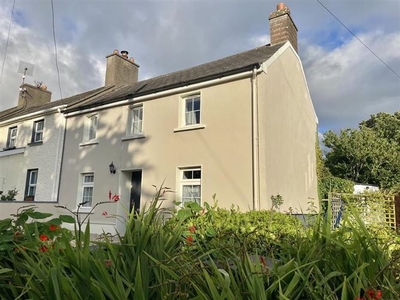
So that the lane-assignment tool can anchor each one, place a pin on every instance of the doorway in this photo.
(136, 191)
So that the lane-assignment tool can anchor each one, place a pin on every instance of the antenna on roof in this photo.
(25, 69)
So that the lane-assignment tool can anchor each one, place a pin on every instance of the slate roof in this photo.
(216, 69)
(20, 111)
(230, 65)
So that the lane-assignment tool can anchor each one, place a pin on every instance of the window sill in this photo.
(35, 143)
(88, 143)
(9, 148)
(12, 151)
(190, 127)
(133, 137)
(85, 211)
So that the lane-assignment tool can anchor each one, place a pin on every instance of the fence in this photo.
(372, 209)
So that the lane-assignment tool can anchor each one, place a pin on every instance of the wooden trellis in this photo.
(370, 210)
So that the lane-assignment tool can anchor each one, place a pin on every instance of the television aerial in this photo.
(25, 68)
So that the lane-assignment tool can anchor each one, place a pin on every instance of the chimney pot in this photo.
(131, 60)
(116, 51)
(124, 54)
(280, 6)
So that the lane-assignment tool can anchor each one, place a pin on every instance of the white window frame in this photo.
(86, 185)
(12, 137)
(31, 185)
(37, 131)
(183, 125)
(89, 127)
(191, 113)
(135, 122)
(189, 182)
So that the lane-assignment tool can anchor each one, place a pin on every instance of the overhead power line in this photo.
(7, 42)
(348, 29)
(55, 48)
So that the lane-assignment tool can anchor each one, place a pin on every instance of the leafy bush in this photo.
(10, 195)
(257, 231)
(334, 185)
(195, 256)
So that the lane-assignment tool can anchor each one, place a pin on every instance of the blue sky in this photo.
(347, 82)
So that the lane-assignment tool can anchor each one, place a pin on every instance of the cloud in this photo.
(347, 83)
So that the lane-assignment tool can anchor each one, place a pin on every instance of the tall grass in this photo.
(157, 261)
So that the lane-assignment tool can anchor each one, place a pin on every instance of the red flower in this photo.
(370, 293)
(189, 240)
(17, 233)
(107, 263)
(43, 237)
(43, 248)
(105, 213)
(53, 227)
(378, 295)
(192, 229)
(115, 198)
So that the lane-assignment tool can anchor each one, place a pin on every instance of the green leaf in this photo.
(39, 215)
(67, 218)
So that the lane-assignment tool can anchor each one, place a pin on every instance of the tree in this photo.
(370, 154)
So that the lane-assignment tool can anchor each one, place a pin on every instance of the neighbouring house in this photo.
(31, 145)
(242, 127)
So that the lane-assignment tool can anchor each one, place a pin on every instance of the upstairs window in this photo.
(37, 135)
(87, 189)
(136, 124)
(191, 185)
(90, 132)
(12, 137)
(192, 110)
(92, 127)
(31, 181)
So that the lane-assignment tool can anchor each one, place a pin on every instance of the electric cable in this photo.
(55, 48)
(348, 29)
(7, 42)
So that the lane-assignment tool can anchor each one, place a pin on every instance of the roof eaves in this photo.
(164, 88)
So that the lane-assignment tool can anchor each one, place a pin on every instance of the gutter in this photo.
(164, 93)
(255, 141)
(40, 112)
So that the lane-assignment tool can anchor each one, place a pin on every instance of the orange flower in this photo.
(378, 295)
(43, 248)
(189, 240)
(53, 227)
(43, 237)
(192, 229)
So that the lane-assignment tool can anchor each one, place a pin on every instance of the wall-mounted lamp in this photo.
(112, 168)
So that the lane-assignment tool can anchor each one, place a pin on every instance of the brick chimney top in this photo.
(282, 27)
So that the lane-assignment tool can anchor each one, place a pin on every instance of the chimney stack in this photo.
(282, 27)
(30, 95)
(120, 69)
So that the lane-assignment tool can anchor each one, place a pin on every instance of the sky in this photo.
(347, 82)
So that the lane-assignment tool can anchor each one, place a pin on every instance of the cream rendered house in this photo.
(242, 127)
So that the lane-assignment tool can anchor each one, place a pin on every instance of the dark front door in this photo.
(136, 189)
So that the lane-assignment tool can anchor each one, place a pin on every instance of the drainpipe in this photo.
(255, 141)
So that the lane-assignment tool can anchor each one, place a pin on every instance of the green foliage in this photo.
(277, 201)
(332, 184)
(370, 154)
(10, 195)
(203, 253)
(256, 231)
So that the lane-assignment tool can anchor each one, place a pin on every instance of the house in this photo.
(31, 145)
(242, 127)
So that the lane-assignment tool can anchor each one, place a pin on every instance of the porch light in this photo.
(112, 168)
